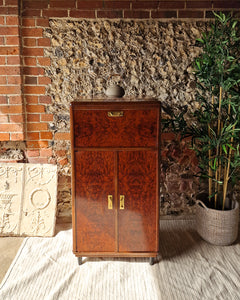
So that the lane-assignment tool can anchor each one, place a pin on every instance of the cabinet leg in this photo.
(79, 260)
(151, 261)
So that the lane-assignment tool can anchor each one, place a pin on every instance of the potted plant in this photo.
(214, 129)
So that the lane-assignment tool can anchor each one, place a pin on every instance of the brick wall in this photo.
(11, 101)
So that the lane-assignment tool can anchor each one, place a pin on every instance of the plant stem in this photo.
(210, 155)
(227, 167)
(217, 151)
(227, 174)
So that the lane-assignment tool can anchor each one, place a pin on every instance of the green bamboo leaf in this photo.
(234, 24)
(224, 148)
(200, 40)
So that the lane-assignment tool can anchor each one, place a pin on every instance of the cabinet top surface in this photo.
(110, 100)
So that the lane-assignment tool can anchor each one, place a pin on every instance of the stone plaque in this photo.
(28, 199)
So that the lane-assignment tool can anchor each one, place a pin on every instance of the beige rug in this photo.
(188, 268)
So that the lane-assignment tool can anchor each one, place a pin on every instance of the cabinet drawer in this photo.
(115, 128)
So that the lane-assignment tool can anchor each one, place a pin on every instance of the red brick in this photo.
(45, 100)
(4, 136)
(17, 136)
(33, 71)
(30, 80)
(37, 160)
(2, 60)
(44, 80)
(32, 153)
(4, 118)
(37, 127)
(29, 42)
(198, 4)
(46, 117)
(62, 4)
(9, 70)
(35, 4)
(145, 5)
(190, 14)
(34, 89)
(117, 4)
(46, 152)
(2, 20)
(30, 61)
(16, 118)
(11, 2)
(11, 127)
(3, 100)
(15, 100)
(89, 14)
(28, 22)
(164, 14)
(12, 40)
(33, 136)
(8, 30)
(33, 51)
(44, 42)
(42, 22)
(13, 60)
(12, 20)
(3, 80)
(31, 13)
(58, 13)
(9, 50)
(136, 14)
(2, 42)
(44, 61)
(10, 90)
(171, 4)
(11, 109)
(43, 144)
(31, 99)
(14, 80)
(9, 10)
(33, 32)
(226, 4)
(46, 135)
(89, 5)
(33, 118)
(109, 14)
(35, 108)
(62, 136)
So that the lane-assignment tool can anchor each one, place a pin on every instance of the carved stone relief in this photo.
(28, 199)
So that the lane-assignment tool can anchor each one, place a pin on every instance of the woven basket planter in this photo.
(218, 227)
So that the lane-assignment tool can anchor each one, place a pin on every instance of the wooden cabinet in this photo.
(115, 178)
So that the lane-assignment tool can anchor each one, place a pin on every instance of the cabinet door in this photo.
(137, 222)
(94, 173)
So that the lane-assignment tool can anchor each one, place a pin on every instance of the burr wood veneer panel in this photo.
(135, 128)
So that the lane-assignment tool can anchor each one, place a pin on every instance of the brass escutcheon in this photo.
(115, 114)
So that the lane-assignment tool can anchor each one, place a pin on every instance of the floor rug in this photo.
(187, 269)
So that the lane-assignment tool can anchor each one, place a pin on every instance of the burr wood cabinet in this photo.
(115, 178)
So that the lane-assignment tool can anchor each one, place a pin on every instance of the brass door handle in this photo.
(110, 202)
(122, 198)
(115, 114)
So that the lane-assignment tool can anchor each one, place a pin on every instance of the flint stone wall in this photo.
(147, 58)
